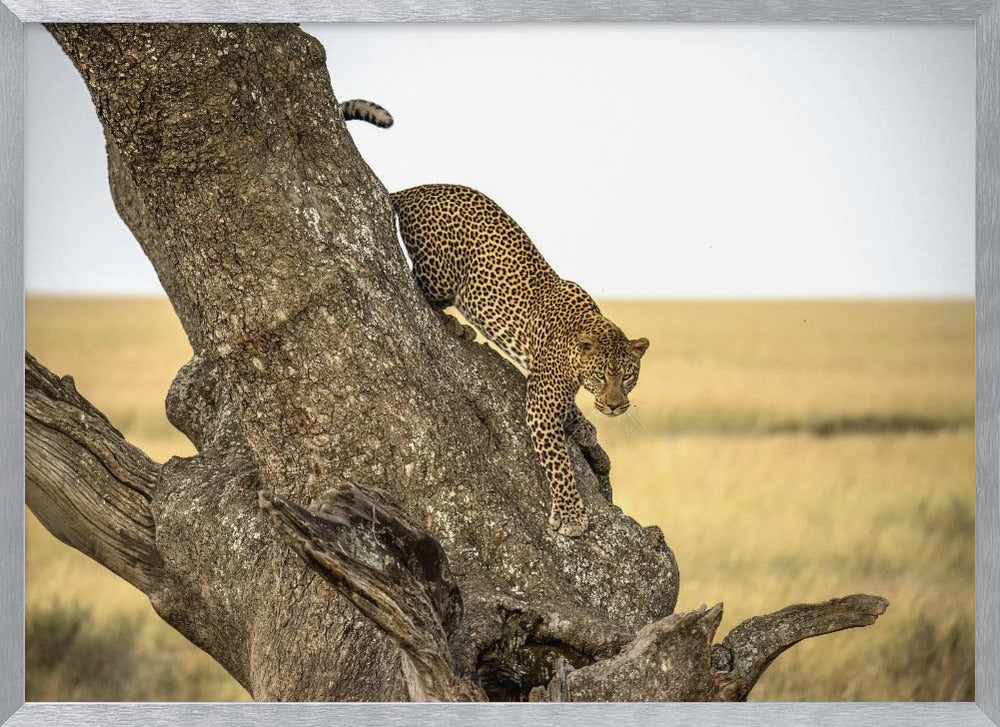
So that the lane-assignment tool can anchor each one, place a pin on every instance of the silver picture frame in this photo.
(984, 14)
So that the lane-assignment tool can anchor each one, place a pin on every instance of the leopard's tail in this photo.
(363, 110)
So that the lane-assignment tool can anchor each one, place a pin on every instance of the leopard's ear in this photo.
(639, 346)
(586, 344)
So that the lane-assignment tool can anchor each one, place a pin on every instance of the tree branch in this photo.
(673, 660)
(394, 572)
(750, 648)
(398, 576)
(86, 484)
(668, 661)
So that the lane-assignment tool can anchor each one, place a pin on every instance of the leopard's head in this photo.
(608, 365)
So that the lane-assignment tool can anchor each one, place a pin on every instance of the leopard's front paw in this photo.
(574, 528)
(570, 525)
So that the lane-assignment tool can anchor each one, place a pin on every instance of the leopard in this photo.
(468, 253)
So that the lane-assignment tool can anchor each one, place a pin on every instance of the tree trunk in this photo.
(365, 518)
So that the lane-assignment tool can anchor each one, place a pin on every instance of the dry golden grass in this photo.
(720, 450)
(123, 355)
(759, 517)
(718, 366)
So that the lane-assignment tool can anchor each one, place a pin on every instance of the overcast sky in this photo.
(653, 161)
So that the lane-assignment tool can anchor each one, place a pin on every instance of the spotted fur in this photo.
(469, 253)
(366, 111)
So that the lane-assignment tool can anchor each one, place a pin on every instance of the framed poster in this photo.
(156, 526)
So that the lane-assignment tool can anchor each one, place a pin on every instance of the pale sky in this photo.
(643, 160)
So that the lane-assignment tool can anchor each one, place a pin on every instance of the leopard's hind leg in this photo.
(435, 282)
(439, 301)
(456, 327)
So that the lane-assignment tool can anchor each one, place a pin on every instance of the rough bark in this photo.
(392, 571)
(324, 387)
(78, 463)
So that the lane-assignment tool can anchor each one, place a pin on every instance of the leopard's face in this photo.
(608, 363)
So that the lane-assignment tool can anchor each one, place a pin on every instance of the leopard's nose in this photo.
(619, 409)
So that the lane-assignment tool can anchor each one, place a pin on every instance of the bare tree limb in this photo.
(752, 646)
(668, 661)
(393, 571)
(398, 576)
(673, 659)
(84, 482)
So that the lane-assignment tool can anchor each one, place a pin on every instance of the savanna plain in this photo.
(791, 451)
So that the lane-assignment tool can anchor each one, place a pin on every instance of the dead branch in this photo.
(752, 646)
(393, 571)
(84, 482)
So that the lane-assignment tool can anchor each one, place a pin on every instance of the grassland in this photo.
(791, 451)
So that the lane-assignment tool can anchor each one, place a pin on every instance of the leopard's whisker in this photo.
(638, 422)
